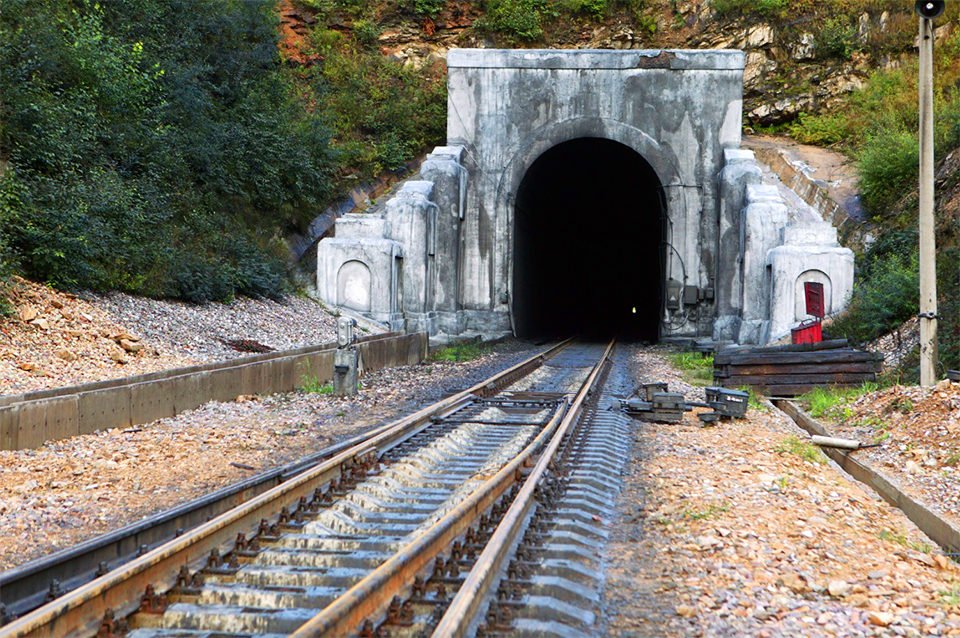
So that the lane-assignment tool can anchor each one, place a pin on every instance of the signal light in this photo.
(930, 9)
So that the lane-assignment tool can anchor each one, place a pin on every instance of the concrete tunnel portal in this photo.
(588, 257)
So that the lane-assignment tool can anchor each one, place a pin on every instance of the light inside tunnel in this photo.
(588, 249)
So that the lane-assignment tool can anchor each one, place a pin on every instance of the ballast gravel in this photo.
(202, 332)
(738, 530)
(72, 490)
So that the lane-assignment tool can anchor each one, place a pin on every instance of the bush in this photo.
(883, 298)
(822, 130)
(384, 113)
(765, 8)
(135, 120)
(888, 164)
(427, 7)
(837, 38)
(517, 20)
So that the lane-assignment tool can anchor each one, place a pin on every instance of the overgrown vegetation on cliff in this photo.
(878, 127)
(163, 148)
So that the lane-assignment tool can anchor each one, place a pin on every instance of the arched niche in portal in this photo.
(799, 298)
(353, 286)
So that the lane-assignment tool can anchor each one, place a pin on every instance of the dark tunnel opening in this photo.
(588, 251)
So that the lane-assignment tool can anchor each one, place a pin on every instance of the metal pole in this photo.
(928, 263)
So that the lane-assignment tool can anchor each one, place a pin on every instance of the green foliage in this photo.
(155, 147)
(517, 20)
(594, 9)
(696, 366)
(427, 7)
(885, 295)
(837, 38)
(827, 402)
(888, 165)
(366, 32)
(384, 113)
(464, 351)
(820, 129)
(803, 449)
(764, 8)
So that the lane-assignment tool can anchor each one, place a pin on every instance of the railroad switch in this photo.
(660, 406)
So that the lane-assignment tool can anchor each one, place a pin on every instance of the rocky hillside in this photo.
(802, 55)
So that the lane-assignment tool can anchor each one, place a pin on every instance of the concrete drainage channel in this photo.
(376, 541)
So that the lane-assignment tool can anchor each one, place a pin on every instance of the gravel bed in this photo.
(724, 531)
(71, 490)
(201, 332)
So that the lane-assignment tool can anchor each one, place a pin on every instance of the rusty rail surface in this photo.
(81, 612)
(468, 602)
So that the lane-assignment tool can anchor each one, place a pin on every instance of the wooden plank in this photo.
(809, 379)
(786, 390)
(830, 344)
(804, 368)
(828, 356)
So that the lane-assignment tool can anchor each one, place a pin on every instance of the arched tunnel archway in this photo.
(588, 243)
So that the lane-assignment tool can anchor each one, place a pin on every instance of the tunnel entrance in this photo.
(588, 251)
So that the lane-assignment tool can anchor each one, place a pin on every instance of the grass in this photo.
(755, 402)
(310, 383)
(458, 352)
(900, 538)
(697, 367)
(313, 385)
(707, 512)
(827, 401)
(951, 596)
(806, 451)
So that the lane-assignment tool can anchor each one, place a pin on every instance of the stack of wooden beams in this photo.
(795, 369)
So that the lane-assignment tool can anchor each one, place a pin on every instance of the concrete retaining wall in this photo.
(27, 421)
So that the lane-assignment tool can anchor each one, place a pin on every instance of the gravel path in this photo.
(69, 491)
(730, 531)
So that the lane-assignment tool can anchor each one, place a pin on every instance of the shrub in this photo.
(888, 163)
(837, 38)
(820, 129)
(134, 120)
(366, 32)
(882, 299)
(765, 8)
(383, 113)
(427, 7)
(517, 20)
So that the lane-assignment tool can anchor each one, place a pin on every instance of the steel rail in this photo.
(80, 612)
(463, 609)
(372, 595)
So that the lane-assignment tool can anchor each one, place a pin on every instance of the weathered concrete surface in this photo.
(810, 252)
(678, 109)
(441, 256)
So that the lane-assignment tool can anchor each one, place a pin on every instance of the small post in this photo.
(345, 359)
(927, 10)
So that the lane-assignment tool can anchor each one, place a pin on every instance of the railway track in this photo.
(476, 516)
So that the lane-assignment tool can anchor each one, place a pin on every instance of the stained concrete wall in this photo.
(678, 109)
(28, 421)
(729, 237)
